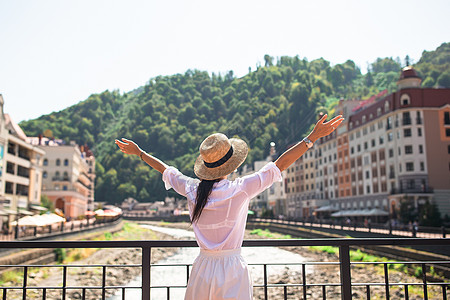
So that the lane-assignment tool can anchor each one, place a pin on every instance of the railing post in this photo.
(443, 232)
(346, 280)
(390, 227)
(146, 256)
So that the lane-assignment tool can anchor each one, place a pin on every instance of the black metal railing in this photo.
(388, 228)
(345, 267)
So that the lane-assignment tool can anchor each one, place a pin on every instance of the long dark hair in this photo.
(203, 192)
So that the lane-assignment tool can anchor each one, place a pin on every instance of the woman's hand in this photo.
(323, 128)
(128, 147)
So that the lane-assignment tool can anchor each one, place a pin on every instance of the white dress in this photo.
(219, 272)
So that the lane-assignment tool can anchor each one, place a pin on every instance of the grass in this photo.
(267, 234)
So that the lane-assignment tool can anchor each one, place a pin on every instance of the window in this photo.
(373, 142)
(352, 150)
(391, 152)
(66, 162)
(390, 137)
(45, 162)
(409, 167)
(44, 174)
(419, 131)
(386, 106)
(407, 132)
(448, 148)
(367, 174)
(405, 100)
(418, 118)
(359, 148)
(368, 189)
(58, 162)
(381, 140)
(447, 118)
(363, 119)
(421, 149)
(408, 149)
(366, 160)
(379, 111)
(406, 118)
(447, 132)
(365, 146)
(422, 166)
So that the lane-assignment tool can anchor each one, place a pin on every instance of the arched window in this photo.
(44, 175)
(66, 162)
(386, 106)
(45, 162)
(58, 162)
(66, 176)
(57, 175)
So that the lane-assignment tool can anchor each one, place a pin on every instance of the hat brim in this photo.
(240, 151)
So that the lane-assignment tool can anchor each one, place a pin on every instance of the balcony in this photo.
(59, 178)
(344, 265)
(406, 121)
(412, 190)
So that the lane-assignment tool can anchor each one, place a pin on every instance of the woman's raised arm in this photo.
(130, 147)
(321, 129)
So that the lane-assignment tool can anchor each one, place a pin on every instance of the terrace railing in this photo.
(345, 266)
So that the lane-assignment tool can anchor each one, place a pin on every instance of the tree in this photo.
(268, 60)
(47, 203)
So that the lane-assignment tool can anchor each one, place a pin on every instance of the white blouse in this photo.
(221, 225)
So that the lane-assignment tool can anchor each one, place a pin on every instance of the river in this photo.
(177, 275)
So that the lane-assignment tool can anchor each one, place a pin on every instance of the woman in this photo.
(218, 207)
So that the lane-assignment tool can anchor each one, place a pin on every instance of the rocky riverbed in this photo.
(329, 274)
(116, 276)
(92, 276)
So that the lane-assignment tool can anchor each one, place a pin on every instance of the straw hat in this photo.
(219, 156)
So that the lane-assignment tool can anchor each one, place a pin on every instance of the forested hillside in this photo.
(171, 115)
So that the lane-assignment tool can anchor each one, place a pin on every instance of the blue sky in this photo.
(55, 53)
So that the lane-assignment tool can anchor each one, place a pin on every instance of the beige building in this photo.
(68, 176)
(20, 170)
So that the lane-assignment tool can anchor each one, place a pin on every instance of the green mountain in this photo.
(171, 115)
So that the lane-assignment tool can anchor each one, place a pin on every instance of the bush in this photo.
(60, 254)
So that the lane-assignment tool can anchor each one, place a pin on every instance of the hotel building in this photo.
(391, 148)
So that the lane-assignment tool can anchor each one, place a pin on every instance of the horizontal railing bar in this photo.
(399, 262)
(398, 283)
(68, 287)
(247, 243)
(69, 266)
(257, 264)
(255, 285)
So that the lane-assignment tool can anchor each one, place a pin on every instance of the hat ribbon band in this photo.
(220, 161)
